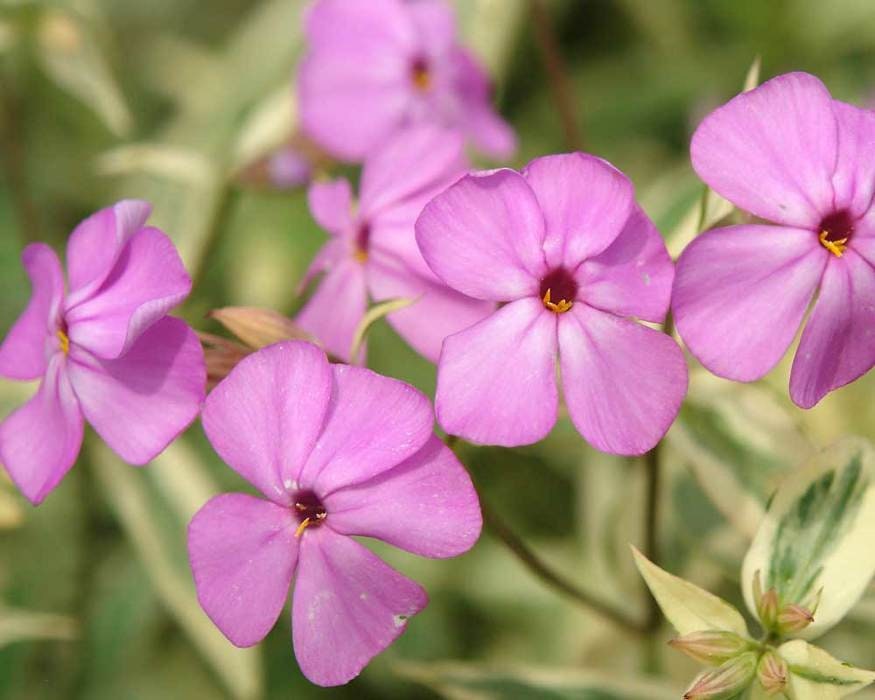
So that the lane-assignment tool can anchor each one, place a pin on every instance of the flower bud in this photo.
(793, 618)
(766, 603)
(221, 356)
(772, 673)
(711, 647)
(258, 327)
(726, 681)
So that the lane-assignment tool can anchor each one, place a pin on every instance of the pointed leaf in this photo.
(817, 535)
(815, 675)
(686, 606)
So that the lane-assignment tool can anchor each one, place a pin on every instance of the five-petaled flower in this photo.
(565, 245)
(790, 154)
(374, 66)
(105, 349)
(373, 252)
(338, 451)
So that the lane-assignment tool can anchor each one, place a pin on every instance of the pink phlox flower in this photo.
(372, 252)
(790, 154)
(338, 452)
(573, 258)
(374, 66)
(105, 349)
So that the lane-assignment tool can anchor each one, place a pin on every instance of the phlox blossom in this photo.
(791, 155)
(337, 452)
(574, 261)
(104, 348)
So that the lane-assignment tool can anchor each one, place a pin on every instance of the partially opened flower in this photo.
(338, 452)
(104, 347)
(374, 66)
(788, 153)
(373, 253)
(575, 259)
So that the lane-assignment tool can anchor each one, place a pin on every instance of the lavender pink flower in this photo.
(372, 251)
(790, 154)
(338, 452)
(104, 347)
(374, 66)
(574, 260)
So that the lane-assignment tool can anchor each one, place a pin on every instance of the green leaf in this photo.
(469, 682)
(815, 675)
(686, 606)
(817, 535)
(374, 314)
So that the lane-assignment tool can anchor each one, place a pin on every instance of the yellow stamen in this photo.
(835, 247)
(360, 256)
(421, 78)
(305, 523)
(64, 342)
(559, 307)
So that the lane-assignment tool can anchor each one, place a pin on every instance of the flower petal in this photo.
(332, 23)
(838, 343)
(373, 424)
(336, 308)
(496, 381)
(243, 552)
(586, 203)
(142, 401)
(740, 294)
(348, 606)
(435, 23)
(623, 382)
(331, 204)
(263, 418)
(426, 505)
(483, 236)
(772, 151)
(147, 280)
(633, 277)
(854, 177)
(96, 243)
(416, 163)
(23, 353)
(40, 441)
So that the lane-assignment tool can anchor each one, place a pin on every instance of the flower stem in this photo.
(557, 74)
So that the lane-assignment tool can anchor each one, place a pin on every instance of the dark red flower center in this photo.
(835, 230)
(309, 511)
(420, 74)
(558, 290)
(362, 241)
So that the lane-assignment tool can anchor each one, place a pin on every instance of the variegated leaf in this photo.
(815, 675)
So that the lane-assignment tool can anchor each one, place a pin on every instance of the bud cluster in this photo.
(780, 618)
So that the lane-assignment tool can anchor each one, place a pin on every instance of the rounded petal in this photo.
(435, 23)
(373, 424)
(426, 505)
(263, 418)
(586, 203)
(331, 204)
(437, 312)
(331, 23)
(838, 343)
(142, 401)
(40, 441)
(623, 382)
(496, 381)
(772, 151)
(348, 606)
(633, 277)
(419, 160)
(740, 294)
(96, 243)
(483, 236)
(23, 353)
(336, 308)
(243, 552)
(854, 177)
(147, 280)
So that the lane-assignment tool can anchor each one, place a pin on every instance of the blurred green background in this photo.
(174, 101)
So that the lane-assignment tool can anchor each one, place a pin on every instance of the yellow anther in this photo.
(308, 521)
(64, 341)
(421, 78)
(360, 256)
(559, 307)
(835, 247)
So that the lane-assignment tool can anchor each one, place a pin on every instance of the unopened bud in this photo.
(766, 603)
(772, 673)
(258, 327)
(793, 618)
(726, 681)
(221, 356)
(711, 647)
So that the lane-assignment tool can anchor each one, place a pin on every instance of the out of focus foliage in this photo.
(172, 101)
